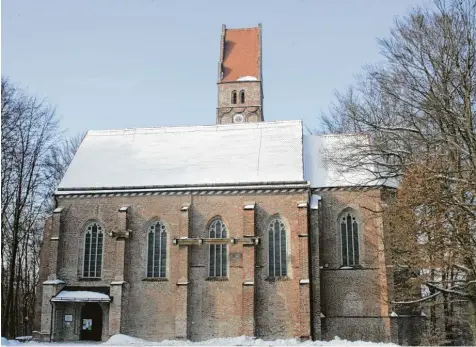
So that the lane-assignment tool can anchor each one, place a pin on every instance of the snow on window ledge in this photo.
(250, 206)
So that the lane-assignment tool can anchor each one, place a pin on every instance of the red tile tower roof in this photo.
(241, 53)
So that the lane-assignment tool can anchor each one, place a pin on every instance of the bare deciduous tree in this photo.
(31, 144)
(419, 108)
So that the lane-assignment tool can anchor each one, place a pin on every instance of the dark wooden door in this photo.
(91, 322)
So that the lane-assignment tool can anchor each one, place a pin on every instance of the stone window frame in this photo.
(83, 251)
(287, 245)
(242, 96)
(358, 220)
(168, 229)
(234, 97)
(165, 229)
(209, 250)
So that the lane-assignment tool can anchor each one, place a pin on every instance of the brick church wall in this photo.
(355, 302)
(279, 312)
(214, 308)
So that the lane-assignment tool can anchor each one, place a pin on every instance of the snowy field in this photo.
(124, 340)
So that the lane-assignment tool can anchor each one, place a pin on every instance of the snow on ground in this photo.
(6, 342)
(125, 340)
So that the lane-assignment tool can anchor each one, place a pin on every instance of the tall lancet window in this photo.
(157, 250)
(277, 255)
(93, 250)
(218, 253)
(349, 229)
(233, 97)
(242, 97)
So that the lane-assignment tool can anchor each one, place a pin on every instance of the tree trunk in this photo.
(6, 324)
(472, 318)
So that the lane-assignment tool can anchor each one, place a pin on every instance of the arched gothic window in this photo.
(349, 229)
(233, 97)
(218, 253)
(277, 248)
(242, 97)
(93, 250)
(157, 250)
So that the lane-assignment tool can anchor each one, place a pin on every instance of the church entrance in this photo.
(91, 322)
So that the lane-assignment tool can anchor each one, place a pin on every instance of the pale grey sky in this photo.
(115, 63)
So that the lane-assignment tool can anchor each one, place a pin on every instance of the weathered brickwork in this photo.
(187, 304)
(315, 280)
(251, 109)
(354, 301)
(277, 309)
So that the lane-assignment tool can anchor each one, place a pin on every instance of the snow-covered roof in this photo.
(81, 296)
(247, 78)
(180, 156)
(322, 154)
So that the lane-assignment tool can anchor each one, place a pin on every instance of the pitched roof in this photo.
(324, 155)
(242, 53)
(184, 156)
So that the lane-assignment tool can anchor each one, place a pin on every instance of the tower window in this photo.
(233, 97)
(242, 97)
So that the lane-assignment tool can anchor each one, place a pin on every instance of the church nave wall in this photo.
(186, 301)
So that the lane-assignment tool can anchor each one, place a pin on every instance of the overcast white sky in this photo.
(115, 63)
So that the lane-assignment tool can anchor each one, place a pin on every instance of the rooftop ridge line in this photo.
(176, 129)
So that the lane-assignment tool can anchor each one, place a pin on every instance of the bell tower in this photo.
(240, 82)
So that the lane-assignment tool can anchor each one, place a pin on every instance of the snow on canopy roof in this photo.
(81, 296)
(182, 156)
(322, 154)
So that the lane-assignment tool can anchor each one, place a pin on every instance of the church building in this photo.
(245, 227)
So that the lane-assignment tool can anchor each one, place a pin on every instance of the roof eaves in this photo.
(198, 187)
(356, 186)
